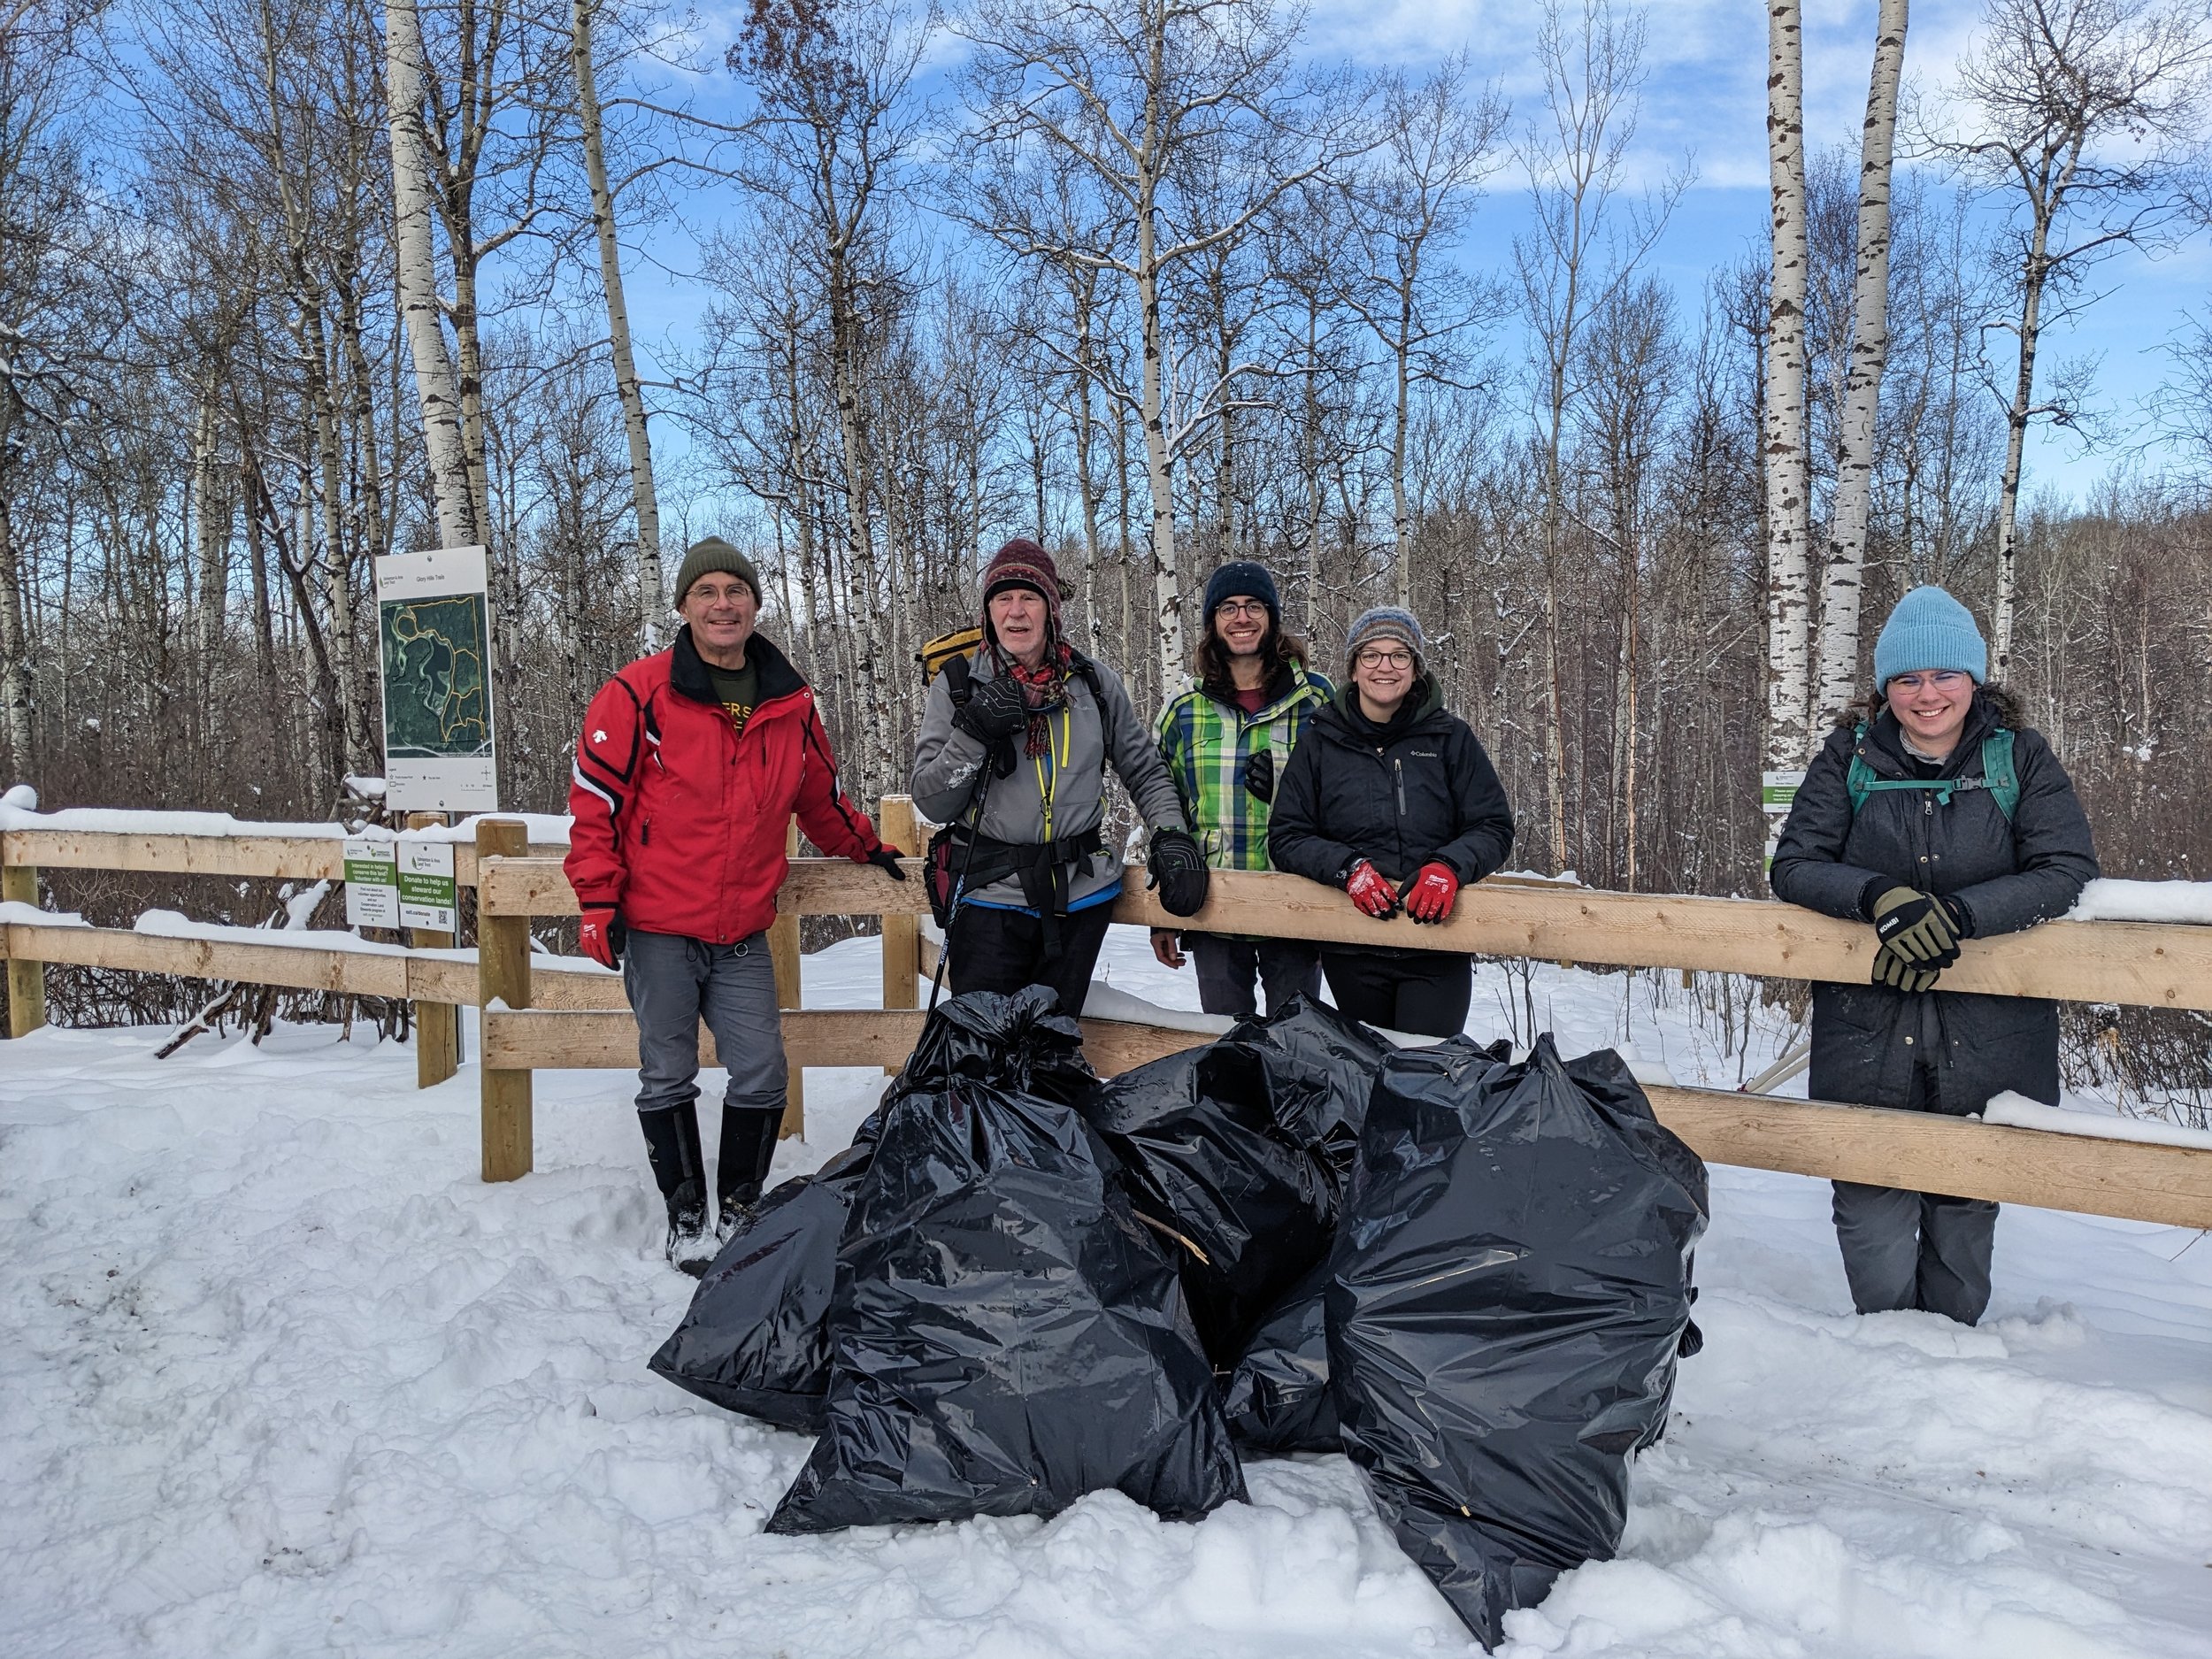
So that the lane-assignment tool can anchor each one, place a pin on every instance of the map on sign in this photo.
(434, 697)
(434, 645)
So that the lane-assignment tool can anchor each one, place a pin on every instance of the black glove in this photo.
(1917, 928)
(887, 859)
(1259, 775)
(1177, 869)
(1894, 971)
(994, 709)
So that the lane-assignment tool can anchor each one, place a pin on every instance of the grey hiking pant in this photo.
(674, 983)
(1919, 1250)
(1227, 967)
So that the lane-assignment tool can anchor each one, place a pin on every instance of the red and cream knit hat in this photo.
(1021, 563)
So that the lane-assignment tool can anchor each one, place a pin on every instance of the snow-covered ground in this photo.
(281, 1377)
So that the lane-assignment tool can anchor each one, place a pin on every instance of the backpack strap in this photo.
(958, 685)
(2000, 776)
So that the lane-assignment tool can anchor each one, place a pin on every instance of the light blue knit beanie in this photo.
(1929, 630)
(1384, 622)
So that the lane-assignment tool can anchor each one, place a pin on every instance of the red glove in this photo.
(1370, 891)
(604, 935)
(1430, 893)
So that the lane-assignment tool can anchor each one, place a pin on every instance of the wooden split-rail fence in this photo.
(534, 1016)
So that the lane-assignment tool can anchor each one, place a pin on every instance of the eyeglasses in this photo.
(1388, 659)
(1241, 608)
(1942, 678)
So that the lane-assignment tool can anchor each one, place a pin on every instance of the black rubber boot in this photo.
(749, 1147)
(671, 1146)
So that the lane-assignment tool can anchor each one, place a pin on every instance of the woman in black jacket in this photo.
(1935, 816)
(1390, 796)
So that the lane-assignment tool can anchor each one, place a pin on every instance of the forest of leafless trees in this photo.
(289, 284)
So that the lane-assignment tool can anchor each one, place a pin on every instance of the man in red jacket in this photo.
(690, 764)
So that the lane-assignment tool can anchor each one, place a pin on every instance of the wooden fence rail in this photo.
(532, 1018)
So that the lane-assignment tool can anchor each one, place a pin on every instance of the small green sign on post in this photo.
(427, 895)
(1777, 793)
(371, 882)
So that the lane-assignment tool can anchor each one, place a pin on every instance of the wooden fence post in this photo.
(783, 951)
(437, 1024)
(26, 980)
(502, 975)
(901, 934)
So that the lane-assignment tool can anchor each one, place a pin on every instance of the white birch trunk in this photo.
(652, 602)
(1788, 524)
(1838, 669)
(1159, 460)
(436, 385)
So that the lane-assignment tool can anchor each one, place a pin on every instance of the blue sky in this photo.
(1704, 97)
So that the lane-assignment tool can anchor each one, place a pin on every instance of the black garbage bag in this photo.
(1234, 1149)
(1510, 1285)
(754, 1339)
(1005, 1335)
(1278, 1398)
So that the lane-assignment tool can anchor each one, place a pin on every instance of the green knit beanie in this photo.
(714, 554)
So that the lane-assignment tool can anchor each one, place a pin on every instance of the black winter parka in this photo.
(1399, 795)
(1867, 1039)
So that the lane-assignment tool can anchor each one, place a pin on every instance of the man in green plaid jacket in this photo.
(1225, 738)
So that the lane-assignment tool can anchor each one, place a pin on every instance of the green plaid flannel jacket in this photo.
(1207, 744)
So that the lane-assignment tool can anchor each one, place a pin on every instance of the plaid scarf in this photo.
(1043, 688)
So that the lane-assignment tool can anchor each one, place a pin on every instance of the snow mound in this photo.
(2018, 1111)
(2108, 898)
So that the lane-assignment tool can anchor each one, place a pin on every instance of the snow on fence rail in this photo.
(534, 1018)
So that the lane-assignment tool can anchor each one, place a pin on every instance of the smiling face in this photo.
(1932, 706)
(1382, 671)
(1241, 623)
(1021, 621)
(721, 609)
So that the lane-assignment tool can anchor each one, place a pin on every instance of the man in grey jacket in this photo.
(1014, 752)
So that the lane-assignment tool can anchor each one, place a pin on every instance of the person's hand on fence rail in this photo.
(1918, 928)
(1167, 948)
(1894, 971)
(1177, 869)
(1370, 891)
(1429, 896)
(887, 859)
(603, 934)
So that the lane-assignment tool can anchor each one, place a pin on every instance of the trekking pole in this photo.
(978, 799)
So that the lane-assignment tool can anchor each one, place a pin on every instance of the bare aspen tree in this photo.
(437, 388)
(1836, 671)
(1567, 264)
(1139, 94)
(1789, 503)
(833, 123)
(2083, 114)
(1413, 199)
(645, 499)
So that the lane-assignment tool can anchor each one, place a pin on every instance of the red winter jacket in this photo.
(679, 818)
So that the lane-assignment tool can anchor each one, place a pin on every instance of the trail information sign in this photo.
(371, 882)
(433, 624)
(426, 897)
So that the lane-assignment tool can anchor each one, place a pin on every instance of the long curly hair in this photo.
(1209, 662)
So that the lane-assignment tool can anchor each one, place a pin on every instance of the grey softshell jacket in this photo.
(946, 760)
(1867, 1039)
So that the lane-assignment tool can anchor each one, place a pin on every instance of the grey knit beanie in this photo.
(1384, 622)
(714, 554)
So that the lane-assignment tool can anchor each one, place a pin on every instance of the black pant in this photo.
(1227, 967)
(1924, 1250)
(1423, 991)
(1003, 950)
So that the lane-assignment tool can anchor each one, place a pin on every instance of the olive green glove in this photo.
(1899, 975)
(1918, 929)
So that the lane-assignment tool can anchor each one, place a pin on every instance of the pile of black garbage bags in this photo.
(1022, 1284)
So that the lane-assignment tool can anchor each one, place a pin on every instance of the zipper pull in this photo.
(1400, 766)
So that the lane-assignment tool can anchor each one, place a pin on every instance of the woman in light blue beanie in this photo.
(1930, 631)
(1935, 815)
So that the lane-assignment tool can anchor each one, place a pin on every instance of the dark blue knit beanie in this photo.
(1244, 576)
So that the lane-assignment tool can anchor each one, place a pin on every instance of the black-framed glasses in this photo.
(1241, 608)
(1385, 659)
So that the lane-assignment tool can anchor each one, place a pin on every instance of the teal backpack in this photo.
(1999, 776)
